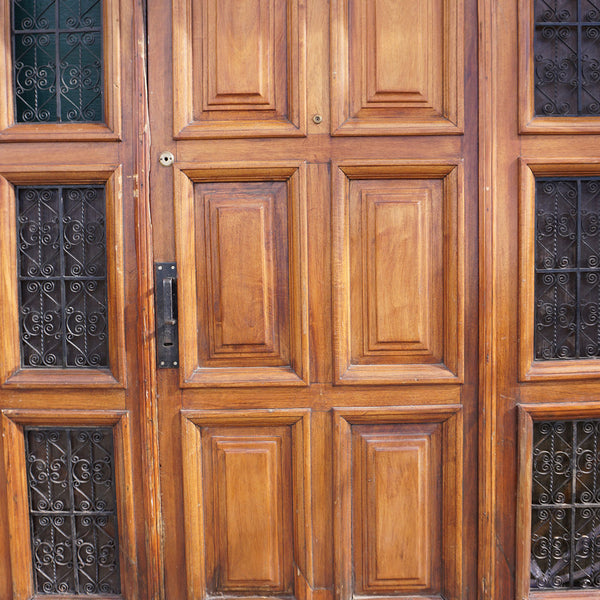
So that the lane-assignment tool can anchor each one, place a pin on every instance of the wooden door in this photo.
(539, 158)
(318, 437)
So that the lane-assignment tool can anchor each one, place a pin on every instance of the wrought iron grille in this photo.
(566, 49)
(565, 511)
(72, 508)
(57, 58)
(62, 276)
(567, 266)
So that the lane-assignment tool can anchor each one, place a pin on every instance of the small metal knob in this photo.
(317, 119)
(166, 159)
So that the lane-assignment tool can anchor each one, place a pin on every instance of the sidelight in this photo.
(566, 48)
(567, 268)
(565, 509)
(57, 54)
(62, 276)
(72, 510)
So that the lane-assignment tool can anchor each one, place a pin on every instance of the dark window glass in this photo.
(72, 507)
(57, 51)
(566, 49)
(567, 268)
(62, 276)
(565, 512)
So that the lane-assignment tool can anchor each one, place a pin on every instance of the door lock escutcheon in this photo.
(167, 339)
(166, 159)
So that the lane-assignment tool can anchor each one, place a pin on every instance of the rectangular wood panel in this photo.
(397, 519)
(396, 67)
(241, 234)
(246, 274)
(244, 262)
(398, 267)
(400, 68)
(246, 506)
(239, 64)
(249, 498)
(401, 267)
(239, 68)
(396, 508)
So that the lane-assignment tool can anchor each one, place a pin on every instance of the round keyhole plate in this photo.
(166, 159)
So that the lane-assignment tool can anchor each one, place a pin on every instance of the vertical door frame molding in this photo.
(488, 340)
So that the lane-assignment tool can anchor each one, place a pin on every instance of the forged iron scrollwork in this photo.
(57, 56)
(567, 268)
(73, 514)
(566, 49)
(565, 523)
(62, 276)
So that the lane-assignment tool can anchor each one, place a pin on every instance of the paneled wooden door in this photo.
(318, 437)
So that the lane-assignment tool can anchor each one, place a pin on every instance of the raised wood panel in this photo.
(239, 65)
(240, 276)
(11, 372)
(529, 368)
(396, 474)
(13, 423)
(110, 130)
(398, 246)
(239, 68)
(246, 262)
(401, 69)
(396, 67)
(251, 496)
(397, 273)
(397, 478)
(246, 503)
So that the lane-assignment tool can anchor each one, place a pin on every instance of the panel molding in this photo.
(111, 130)
(449, 419)
(196, 502)
(191, 291)
(358, 107)
(442, 362)
(279, 110)
(13, 423)
(529, 368)
(11, 372)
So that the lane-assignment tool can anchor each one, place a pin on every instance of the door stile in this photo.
(487, 135)
(147, 341)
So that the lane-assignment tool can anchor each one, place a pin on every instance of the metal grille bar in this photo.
(63, 304)
(58, 60)
(567, 268)
(566, 48)
(565, 509)
(72, 509)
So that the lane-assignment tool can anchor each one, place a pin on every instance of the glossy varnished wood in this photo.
(218, 155)
(430, 347)
(120, 396)
(397, 67)
(516, 147)
(239, 71)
